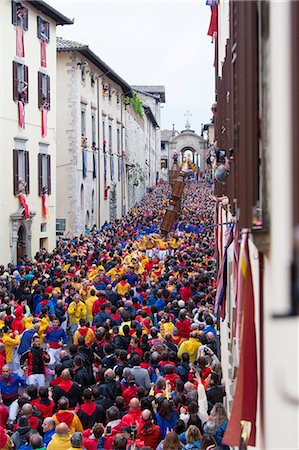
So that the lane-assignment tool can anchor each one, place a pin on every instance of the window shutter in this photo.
(49, 173)
(27, 172)
(40, 174)
(14, 12)
(25, 26)
(27, 81)
(39, 75)
(15, 172)
(48, 92)
(15, 81)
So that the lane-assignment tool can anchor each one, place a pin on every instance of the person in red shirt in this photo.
(170, 376)
(96, 307)
(131, 391)
(134, 347)
(43, 403)
(147, 431)
(133, 417)
(92, 436)
(183, 325)
(186, 291)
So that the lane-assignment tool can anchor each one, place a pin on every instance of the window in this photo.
(92, 80)
(162, 145)
(84, 162)
(19, 15)
(83, 72)
(117, 98)
(82, 197)
(93, 130)
(83, 121)
(43, 29)
(20, 82)
(44, 100)
(110, 138)
(118, 142)
(21, 172)
(109, 93)
(44, 174)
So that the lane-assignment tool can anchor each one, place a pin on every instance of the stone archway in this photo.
(189, 141)
(21, 234)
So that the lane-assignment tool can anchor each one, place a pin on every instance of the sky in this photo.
(150, 42)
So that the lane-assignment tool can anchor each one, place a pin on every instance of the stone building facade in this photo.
(28, 127)
(91, 177)
(143, 142)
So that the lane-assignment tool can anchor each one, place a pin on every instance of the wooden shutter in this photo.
(40, 174)
(48, 92)
(27, 178)
(15, 81)
(40, 91)
(15, 172)
(25, 22)
(27, 81)
(14, 12)
(49, 173)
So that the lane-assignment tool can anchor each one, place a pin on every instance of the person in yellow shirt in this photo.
(61, 438)
(123, 286)
(166, 326)
(84, 331)
(66, 416)
(10, 341)
(117, 270)
(44, 323)
(76, 310)
(89, 303)
(190, 346)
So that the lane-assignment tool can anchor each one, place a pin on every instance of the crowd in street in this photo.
(110, 341)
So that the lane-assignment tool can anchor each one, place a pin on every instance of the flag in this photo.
(23, 200)
(44, 122)
(213, 27)
(245, 399)
(45, 205)
(21, 113)
(20, 51)
(222, 276)
(43, 53)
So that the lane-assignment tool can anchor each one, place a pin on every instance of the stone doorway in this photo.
(21, 233)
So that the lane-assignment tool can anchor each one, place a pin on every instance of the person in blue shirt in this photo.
(48, 427)
(26, 338)
(55, 339)
(160, 303)
(9, 391)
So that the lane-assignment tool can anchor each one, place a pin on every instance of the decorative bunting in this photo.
(23, 200)
(44, 122)
(45, 206)
(20, 50)
(21, 114)
(43, 51)
(243, 413)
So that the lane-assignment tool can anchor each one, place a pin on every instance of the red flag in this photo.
(44, 122)
(245, 399)
(43, 52)
(45, 205)
(23, 200)
(235, 268)
(20, 41)
(213, 27)
(220, 233)
(21, 113)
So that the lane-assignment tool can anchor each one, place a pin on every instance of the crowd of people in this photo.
(110, 341)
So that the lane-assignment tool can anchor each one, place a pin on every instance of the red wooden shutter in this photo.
(27, 81)
(15, 172)
(49, 173)
(48, 92)
(40, 93)
(27, 178)
(40, 174)
(15, 81)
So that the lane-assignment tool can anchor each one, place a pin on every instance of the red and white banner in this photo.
(20, 42)
(23, 200)
(243, 416)
(21, 114)
(43, 53)
(45, 205)
(44, 122)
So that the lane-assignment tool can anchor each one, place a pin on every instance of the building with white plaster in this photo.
(91, 175)
(28, 127)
